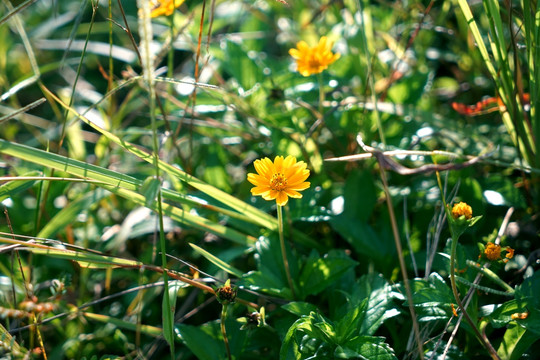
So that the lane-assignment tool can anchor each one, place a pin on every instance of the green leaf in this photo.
(168, 314)
(150, 189)
(379, 305)
(319, 273)
(317, 329)
(527, 297)
(266, 282)
(214, 172)
(348, 326)
(218, 262)
(503, 314)
(432, 299)
(365, 347)
(203, 346)
(14, 186)
(270, 275)
(365, 240)
(145, 329)
(300, 308)
(85, 260)
(68, 214)
(361, 195)
(516, 341)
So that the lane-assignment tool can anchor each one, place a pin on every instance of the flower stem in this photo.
(322, 95)
(485, 342)
(224, 331)
(283, 252)
(403, 267)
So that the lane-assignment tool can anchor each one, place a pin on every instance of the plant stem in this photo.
(146, 34)
(283, 252)
(322, 95)
(402, 266)
(485, 342)
(224, 331)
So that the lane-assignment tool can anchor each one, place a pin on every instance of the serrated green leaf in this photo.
(365, 347)
(379, 306)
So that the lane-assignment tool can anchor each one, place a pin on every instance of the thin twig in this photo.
(397, 241)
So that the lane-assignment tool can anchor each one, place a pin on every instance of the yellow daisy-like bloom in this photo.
(165, 7)
(280, 179)
(313, 60)
(462, 209)
(492, 251)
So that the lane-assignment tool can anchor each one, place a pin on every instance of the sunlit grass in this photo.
(130, 230)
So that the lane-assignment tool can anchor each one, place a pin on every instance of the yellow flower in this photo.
(313, 60)
(165, 7)
(492, 251)
(279, 179)
(462, 209)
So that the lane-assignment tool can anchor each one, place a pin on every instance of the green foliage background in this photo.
(79, 130)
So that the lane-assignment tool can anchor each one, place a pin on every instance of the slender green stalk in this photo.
(455, 237)
(492, 276)
(371, 81)
(145, 32)
(402, 266)
(485, 342)
(322, 95)
(283, 251)
(170, 54)
(224, 331)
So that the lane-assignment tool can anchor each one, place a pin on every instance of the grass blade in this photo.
(218, 262)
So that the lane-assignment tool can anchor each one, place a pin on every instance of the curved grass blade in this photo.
(68, 214)
(145, 329)
(217, 261)
(257, 216)
(12, 188)
(122, 185)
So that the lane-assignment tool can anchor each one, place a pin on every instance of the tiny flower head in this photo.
(492, 251)
(461, 209)
(165, 7)
(280, 179)
(313, 60)
(226, 294)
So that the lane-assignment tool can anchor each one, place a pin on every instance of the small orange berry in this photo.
(492, 251)
(462, 209)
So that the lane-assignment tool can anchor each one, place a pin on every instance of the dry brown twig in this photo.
(384, 158)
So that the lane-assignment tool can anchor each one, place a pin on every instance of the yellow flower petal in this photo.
(313, 60)
(461, 209)
(166, 7)
(280, 179)
(282, 198)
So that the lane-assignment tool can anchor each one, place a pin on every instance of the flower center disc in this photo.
(278, 182)
(314, 63)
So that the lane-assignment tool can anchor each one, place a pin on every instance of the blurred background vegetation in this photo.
(75, 106)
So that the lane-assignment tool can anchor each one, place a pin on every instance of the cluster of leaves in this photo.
(84, 205)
